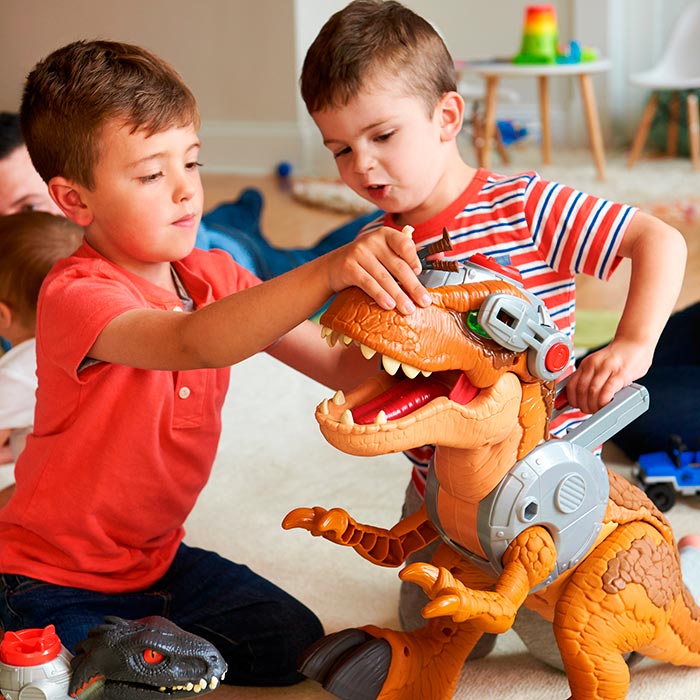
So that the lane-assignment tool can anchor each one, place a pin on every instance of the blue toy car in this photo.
(663, 475)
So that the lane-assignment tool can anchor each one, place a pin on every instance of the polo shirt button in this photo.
(184, 392)
(177, 308)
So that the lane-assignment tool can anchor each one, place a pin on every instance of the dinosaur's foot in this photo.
(380, 664)
(351, 664)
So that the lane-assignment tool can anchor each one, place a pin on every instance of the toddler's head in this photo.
(75, 91)
(370, 42)
(30, 244)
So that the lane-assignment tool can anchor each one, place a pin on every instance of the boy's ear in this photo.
(5, 316)
(451, 114)
(69, 199)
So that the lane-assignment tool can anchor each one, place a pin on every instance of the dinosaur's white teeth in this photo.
(380, 418)
(367, 353)
(329, 335)
(214, 683)
(391, 366)
(346, 418)
(202, 684)
(339, 398)
(323, 408)
(189, 686)
(410, 371)
(347, 340)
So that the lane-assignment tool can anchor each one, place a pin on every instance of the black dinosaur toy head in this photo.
(134, 659)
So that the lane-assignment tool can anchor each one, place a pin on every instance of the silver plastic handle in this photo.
(628, 404)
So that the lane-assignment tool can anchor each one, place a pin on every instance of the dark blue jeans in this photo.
(235, 227)
(259, 629)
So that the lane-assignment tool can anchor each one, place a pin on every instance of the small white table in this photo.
(492, 72)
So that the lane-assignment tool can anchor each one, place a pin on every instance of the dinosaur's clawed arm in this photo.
(527, 562)
(386, 547)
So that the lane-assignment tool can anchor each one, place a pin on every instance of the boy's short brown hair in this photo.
(71, 94)
(373, 39)
(30, 244)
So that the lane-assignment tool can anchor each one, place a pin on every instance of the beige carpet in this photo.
(273, 458)
(651, 180)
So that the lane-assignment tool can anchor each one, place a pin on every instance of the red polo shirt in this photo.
(118, 455)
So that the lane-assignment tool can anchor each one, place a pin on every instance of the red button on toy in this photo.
(557, 357)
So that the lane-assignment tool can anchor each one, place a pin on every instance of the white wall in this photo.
(633, 34)
(242, 58)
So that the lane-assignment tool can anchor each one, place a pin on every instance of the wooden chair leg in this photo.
(640, 137)
(501, 148)
(543, 82)
(489, 119)
(672, 134)
(595, 135)
(693, 129)
(478, 136)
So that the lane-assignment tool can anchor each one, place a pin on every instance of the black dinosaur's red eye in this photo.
(151, 656)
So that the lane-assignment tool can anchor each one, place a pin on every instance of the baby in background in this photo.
(30, 243)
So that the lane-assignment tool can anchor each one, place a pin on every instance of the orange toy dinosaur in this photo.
(486, 410)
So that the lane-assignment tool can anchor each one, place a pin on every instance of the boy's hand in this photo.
(383, 263)
(603, 373)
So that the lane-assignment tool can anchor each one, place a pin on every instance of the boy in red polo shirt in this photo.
(135, 333)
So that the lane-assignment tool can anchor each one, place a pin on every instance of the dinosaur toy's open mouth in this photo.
(398, 391)
(111, 689)
(408, 395)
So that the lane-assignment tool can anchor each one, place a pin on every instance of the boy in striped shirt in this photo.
(380, 85)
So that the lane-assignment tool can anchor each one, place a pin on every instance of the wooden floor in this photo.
(287, 222)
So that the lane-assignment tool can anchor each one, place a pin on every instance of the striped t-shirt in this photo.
(547, 231)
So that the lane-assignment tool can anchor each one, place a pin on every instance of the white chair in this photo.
(678, 69)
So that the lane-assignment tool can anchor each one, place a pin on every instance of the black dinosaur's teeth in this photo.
(193, 687)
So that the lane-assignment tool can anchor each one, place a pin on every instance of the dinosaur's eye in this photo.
(473, 323)
(151, 656)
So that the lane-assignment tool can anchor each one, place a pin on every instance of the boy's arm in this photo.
(384, 263)
(658, 253)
